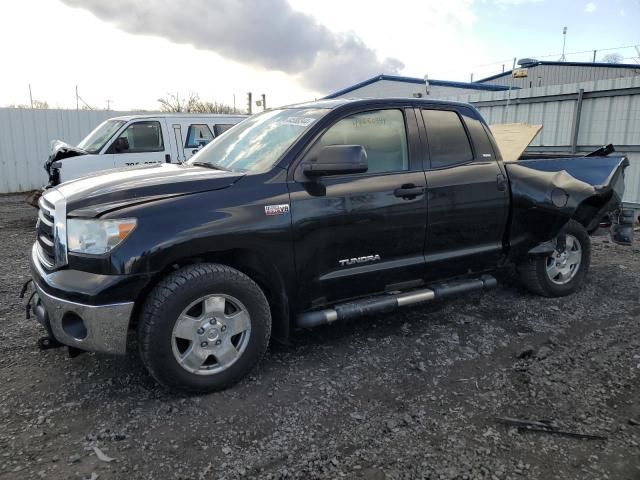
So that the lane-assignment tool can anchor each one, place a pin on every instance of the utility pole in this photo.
(77, 100)
(264, 102)
(234, 103)
(594, 56)
(506, 110)
(249, 106)
(109, 103)
(426, 84)
(30, 96)
(564, 42)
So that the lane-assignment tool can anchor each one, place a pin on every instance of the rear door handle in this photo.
(408, 191)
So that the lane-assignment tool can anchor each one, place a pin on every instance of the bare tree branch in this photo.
(173, 103)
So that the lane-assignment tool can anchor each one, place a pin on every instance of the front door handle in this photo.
(408, 191)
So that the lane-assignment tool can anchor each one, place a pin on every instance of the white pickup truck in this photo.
(136, 140)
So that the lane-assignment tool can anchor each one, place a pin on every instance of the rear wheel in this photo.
(203, 328)
(562, 272)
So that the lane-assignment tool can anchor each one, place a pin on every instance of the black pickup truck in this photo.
(307, 215)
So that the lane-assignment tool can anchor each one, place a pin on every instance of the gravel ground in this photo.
(409, 395)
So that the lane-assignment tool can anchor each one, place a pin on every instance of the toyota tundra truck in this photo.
(307, 215)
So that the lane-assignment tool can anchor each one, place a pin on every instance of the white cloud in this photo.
(590, 7)
(502, 3)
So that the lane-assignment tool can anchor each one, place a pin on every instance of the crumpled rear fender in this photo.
(546, 194)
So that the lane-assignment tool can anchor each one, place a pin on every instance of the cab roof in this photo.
(339, 102)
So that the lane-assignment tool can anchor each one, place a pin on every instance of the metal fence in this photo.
(25, 138)
(579, 117)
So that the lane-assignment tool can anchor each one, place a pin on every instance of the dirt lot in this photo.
(410, 395)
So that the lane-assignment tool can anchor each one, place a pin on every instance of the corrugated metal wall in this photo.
(610, 114)
(25, 137)
(544, 75)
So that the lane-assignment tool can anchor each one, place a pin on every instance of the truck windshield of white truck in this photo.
(97, 139)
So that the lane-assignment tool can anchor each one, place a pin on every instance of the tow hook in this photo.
(47, 343)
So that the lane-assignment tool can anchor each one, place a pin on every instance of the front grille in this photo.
(45, 232)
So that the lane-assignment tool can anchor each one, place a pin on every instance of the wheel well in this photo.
(251, 264)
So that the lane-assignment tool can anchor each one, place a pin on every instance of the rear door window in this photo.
(447, 138)
(198, 136)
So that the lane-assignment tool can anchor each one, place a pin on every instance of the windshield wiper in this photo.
(210, 165)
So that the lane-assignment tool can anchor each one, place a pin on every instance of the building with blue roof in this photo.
(399, 86)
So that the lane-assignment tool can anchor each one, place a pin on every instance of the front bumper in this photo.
(98, 328)
(94, 328)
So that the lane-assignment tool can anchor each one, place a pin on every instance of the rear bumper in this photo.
(75, 318)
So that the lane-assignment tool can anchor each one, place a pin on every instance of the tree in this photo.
(173, 103)
(612, 58)
(36, 104)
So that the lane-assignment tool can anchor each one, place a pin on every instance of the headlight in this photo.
(97, 236)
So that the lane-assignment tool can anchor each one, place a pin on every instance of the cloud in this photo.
(263, 33)
(590, 7)
(502, 3)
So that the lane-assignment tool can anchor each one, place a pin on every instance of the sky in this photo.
(129, 53)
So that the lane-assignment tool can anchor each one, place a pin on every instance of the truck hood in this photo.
(92, 196)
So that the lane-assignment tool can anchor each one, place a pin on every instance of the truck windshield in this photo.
(94, 142)
(257, 143)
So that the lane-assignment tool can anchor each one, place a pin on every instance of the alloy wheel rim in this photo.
(211, 334)
(562, 266)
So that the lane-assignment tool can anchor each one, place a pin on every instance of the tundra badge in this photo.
(365, 259)
(281, 209)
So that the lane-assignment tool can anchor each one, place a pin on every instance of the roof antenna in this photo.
(564, 42)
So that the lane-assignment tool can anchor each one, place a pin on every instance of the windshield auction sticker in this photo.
(299, 121)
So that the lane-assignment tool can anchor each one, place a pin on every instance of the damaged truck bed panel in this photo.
(547, 193)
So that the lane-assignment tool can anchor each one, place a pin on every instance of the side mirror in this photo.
(121, 144)
(338, 160)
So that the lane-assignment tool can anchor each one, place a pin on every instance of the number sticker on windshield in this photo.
(299, 121)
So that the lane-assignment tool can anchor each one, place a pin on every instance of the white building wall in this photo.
(544, 75)
(25, 139)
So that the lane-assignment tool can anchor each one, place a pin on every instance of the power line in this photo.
(498, 62)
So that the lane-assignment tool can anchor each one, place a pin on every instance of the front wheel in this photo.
(562, 272)
(203, 328)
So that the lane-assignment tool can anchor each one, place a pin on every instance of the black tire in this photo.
(168, 300)
(533, 271)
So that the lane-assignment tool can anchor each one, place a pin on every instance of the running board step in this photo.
(390, 302)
